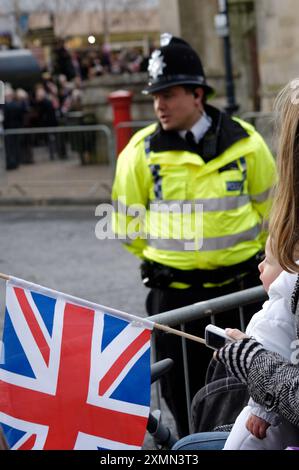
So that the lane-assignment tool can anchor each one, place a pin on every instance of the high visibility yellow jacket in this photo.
(191, 210)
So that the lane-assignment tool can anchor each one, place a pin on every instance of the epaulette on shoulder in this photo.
(140, 135)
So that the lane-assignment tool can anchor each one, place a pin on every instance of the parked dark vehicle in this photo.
(20, 68)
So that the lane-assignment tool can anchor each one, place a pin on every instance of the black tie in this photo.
(191, 140)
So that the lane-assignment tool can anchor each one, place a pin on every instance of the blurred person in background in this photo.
(14, 111)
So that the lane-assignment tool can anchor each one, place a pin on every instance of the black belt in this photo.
(157, 275)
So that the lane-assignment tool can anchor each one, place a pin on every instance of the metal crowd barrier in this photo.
(79, 137)
(207, 308)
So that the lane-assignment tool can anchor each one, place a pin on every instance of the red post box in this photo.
(121, 104)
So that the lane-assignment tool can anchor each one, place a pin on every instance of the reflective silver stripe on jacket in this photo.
(262, 197)
(205, 205)
(208, 244)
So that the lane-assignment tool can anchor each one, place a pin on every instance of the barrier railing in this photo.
(73, 131)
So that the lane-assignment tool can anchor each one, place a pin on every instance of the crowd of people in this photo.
(47, 105)
(59, 93)
(90, 63)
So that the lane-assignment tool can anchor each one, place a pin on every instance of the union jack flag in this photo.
(74, 375)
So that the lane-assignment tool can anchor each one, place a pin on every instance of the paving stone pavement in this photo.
(56, 182)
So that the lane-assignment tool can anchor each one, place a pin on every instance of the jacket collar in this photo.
(200, 128)
(223, 133)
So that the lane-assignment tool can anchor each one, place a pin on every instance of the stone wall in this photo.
(95, 101)
(170, 17)
(196, 19)
(278, 41)
(264, 43)
(97, 90)
(197, 27)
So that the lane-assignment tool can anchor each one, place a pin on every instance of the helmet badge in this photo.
(156, 64)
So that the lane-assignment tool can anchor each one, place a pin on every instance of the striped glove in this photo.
(237, 357)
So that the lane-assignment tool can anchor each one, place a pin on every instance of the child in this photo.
(272, 380)
(274, 326)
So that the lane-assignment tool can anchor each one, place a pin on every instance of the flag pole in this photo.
(165, 328)
(179, 333)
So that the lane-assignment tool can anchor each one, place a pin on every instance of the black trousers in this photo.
(199, 356)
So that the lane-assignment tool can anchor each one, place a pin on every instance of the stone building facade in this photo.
(278, 42)
(264, 40)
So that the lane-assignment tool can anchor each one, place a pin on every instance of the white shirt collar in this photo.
(200, 127)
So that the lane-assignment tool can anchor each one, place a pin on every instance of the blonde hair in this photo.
(284, 220)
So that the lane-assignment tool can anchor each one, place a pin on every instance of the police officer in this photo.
(203, 181)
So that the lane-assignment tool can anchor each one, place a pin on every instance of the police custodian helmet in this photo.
(175, 63)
